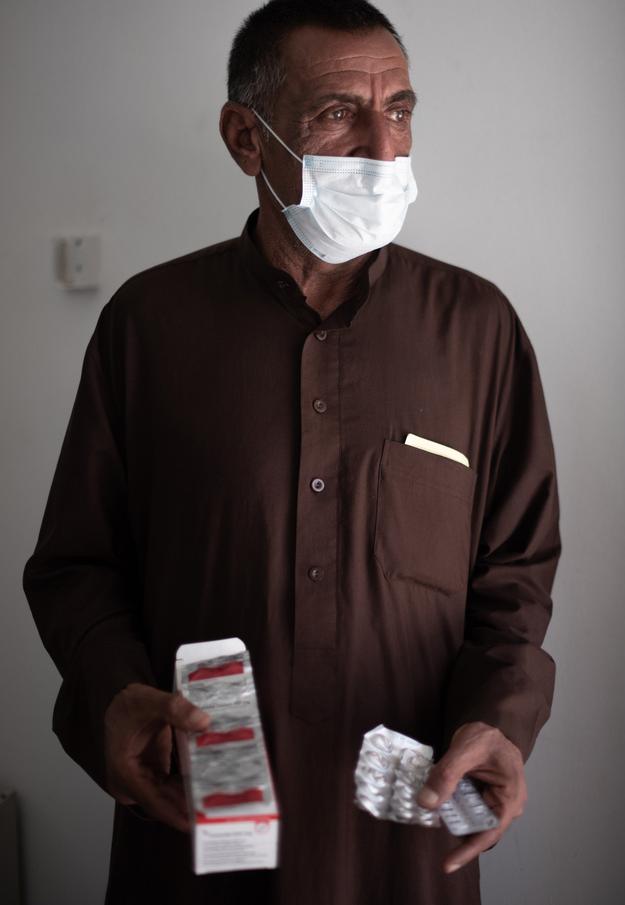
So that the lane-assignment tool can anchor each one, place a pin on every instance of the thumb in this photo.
(441, 782)
(179, 712)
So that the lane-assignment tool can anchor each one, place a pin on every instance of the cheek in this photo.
(331, 142)
(402, 138)
(291, 182)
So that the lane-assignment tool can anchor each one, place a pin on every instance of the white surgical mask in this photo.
(350, 205)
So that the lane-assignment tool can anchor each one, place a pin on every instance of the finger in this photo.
(157, 754)
(179, 712)
(445, 775)
(476, 752)
(443, 779)
(182, 714)
(162, 799)
(117, 789)
(477, 843)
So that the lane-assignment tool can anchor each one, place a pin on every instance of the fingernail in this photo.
(198, 720)
(452, 867)
(427, 797)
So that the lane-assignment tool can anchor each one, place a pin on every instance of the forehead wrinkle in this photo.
(346, 64)
(361, 56)
(359, 72)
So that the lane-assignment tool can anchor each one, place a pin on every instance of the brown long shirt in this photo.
(235, 465)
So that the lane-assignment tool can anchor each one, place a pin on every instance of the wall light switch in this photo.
(77, 261)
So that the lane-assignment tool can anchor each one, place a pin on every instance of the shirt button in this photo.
(321, 334)
(317, 484)
(319, 405)
(316, 573)
(282, 284)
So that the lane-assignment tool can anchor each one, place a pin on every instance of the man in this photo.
(235, 465)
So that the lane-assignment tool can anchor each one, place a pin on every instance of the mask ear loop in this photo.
(277, 137)
(282, 206)
(262, 171)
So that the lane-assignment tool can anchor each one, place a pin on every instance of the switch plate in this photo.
(77, 261)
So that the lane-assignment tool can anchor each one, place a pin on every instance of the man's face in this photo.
(344, 95)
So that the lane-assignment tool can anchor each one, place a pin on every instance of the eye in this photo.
(401, 115)
(338, 115)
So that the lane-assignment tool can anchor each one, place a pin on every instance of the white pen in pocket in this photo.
(437, 448)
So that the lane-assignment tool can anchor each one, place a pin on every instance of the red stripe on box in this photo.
(225, 799)
(215, 672)
(257, 818)
(243, 734)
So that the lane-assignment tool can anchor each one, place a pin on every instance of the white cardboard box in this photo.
(241, 837)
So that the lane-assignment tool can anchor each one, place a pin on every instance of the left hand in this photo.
(484, 753)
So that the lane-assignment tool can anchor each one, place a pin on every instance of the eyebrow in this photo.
(407, 94)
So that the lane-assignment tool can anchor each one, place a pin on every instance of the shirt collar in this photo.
(283, 288)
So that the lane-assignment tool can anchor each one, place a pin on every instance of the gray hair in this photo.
(260, 90)
(256, 70)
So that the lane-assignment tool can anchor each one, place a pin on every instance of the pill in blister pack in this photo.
(390, 771)
(466, 811)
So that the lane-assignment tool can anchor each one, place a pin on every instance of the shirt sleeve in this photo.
(81, 581)
(502, 676)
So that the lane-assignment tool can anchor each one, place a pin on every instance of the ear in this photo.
(239, 129)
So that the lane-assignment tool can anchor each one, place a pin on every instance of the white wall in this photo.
(108, 114)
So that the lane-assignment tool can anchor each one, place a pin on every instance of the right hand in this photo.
(138, 746)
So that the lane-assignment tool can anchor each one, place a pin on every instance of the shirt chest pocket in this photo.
(423, 517)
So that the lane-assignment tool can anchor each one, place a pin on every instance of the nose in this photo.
(375, 141)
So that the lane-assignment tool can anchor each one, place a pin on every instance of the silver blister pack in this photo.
(228, 774)
(466, 811)
(220, 693)
(235, 723)
(228, 760)
(390, 771)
